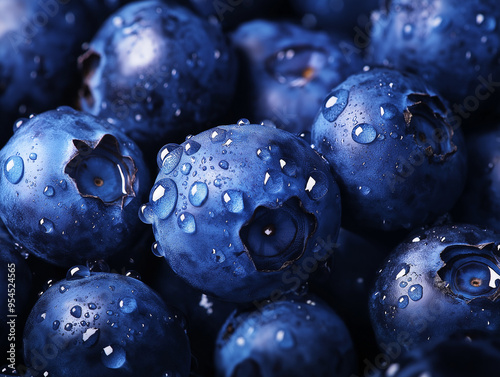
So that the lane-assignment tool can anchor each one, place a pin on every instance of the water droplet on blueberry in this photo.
(78, 272)
(163, 197)
(198, 193)
(415, 292)
(403, 302)
(45, 225)
(334, 104)
(14, 169)
(364, 133)
(186, 222)
(233, 201)
(113, 356)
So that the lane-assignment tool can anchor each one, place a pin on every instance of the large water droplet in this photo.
(14, 169)
(415, 292)
(403, 302)
(273, 181)
(243, 122)
(288, 167)
(264, 154)
(285, 339)
(316, 185)
(186, 222)
(90, 337)
(334, 104)
(364, 133)
(127, 305)
(168, 157)
(78, 272)
(163, 197)
(218, 256)
(218, 135)
(405, 269)
(49, 191)
(388, 111)
(191, 147)
(45, 225)
(76, 311)
(233, 201)
(198, 193)
(157, 250)
(113, 356)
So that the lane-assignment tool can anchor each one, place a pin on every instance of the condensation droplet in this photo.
(127, 305)
(334, 104)
(45, 225)
(191, 147)
(317, 185)
(364, 133)
(198, 193)
(233, 201)
(186, 222)
(224, 164)
(76, 311)
(113, 356)
(78, 272)
(49, 191)
(243, 122)
(218, 256)
(285, 339)
(403, 302)
(146, 214)
(169, 157)
(186, 168)
(388, 111)
(90, 337)
(264, 154)
(163, 198)
(218, 135)
(14, 169)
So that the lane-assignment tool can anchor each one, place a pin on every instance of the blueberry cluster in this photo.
(349, 228)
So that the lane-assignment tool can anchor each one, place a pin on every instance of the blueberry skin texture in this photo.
(70, 187)
(458, 357)
(435, 283)
(286, 71)
(292, 337)
(480, 201)
(159, 72)
(104, 324)
(40, 42)
(237, 209)
(398, 162)
(338, 15)
(452, 46)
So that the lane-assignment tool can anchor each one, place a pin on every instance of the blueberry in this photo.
(287, 70)
(292, 337)
(435, 283)
(40, 42)
(104, 324)
(399, 163)
(158, 71)
(238, 210)
(453, 46)
(461, 355)
(71, 186)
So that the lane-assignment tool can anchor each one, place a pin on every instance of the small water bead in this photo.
(68, 326)
(63, 289)
(186, 222)
(218, 135)
(33, 156)
(388, 111)
(233, 201)
(127, 305)
(191, 147)
(285, 339)
(288, 167)
(55, 325)
(163, 197)
(408, 31)
(146, 214)
(223, 164)
(113, 356)
(403, 302)
(334, 104)
(273, 181)
(45, 225)
(90, 337)
(169, 157)
(415, 292)
(157, 250)
(264, 154)
(14, 169)
(243, 122)
(19, 123)
(78, 272)
(316, 185)
(218, 256)
(405, 269)
(186, 168)
(403, 284)
(92, 306)
(49, 191)
(364, 133)
(364, 190)
(76, 311)
(217, 182)
(198, 194)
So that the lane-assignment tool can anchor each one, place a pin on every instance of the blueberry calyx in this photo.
(100, 171)
(276, 237)
(426, 120)
(470, 272)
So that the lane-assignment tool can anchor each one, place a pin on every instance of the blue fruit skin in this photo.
(419, 295)
(243, 176)
(286, 71)
(459, 356)
(40, 42)
(454, 47)
(480, 200)
(46, 211)
(398, 162)
(158, 71)
(292, 337)
(78, 319)
(338, 15)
